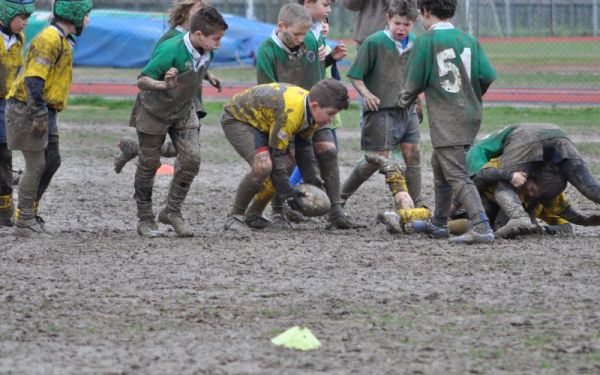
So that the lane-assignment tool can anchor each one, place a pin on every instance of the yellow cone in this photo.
(298, 338)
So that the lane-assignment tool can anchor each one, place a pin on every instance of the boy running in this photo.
(165, 105)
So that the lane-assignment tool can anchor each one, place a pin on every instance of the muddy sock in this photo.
(413, 182)
(168, 150)
(471, 201)
(180, 185)
(361, 173)
(508, 200)
(52, 156)
(443, 204)
(330, 173)
(246, 190)
(262, 198)
(29, 184)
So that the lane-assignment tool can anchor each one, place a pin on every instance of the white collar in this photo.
(181, 29)
(198, 58)
(282, 45)
(9, 41)
(442, 26)
(316, 28)
(398, 43)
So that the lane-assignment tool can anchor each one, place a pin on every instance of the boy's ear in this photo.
(313, 106)
(281, 26)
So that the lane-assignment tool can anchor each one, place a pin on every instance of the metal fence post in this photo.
(595, 18)
(507, 11)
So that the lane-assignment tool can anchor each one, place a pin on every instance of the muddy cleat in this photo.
(175, 220)
(148, 229)
(391, 220)
(127, 148)
(427, 227)
(30, 229)
(294, 216)
(278, 221)
(473, 237)
(342, 221)
(515, 227)
(42, 224)
(257, 221)
(234, 223)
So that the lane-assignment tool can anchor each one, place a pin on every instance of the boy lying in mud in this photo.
(521, 172)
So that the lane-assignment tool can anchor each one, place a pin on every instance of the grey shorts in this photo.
(245, 139)
(384, 129)
(19, 122)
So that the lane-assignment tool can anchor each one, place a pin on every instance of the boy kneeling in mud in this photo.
(260, 122)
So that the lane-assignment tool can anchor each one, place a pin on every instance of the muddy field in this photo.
(98, 299)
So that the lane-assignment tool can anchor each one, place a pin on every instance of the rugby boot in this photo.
(427, 227)
(391, 220)
(294, 216)
(42, 224)
(257, 221)
(148, 228)
(339, 220)
(175, 219)
(278, 221)
(128, 150)
(480, 233)
(7, 210)
(30, 229)
(234, 223)
(515, 227)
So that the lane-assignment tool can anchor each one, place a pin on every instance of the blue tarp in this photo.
(124, 39)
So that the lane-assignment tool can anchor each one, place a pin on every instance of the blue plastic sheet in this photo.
(122, 39)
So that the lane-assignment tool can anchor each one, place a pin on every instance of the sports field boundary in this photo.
(525, 96)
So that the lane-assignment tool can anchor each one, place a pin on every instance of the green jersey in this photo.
(275, 62)
(452, 69)
(380, 65)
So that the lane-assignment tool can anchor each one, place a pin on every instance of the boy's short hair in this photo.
(208, 21)
(180, 9)
(403, 8)
(293, 14)
(330, 93)
(442, 9)
(550, 181)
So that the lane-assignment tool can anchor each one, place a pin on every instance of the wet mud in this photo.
(98, 299)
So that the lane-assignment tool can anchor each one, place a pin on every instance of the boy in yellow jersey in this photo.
(38, 94)
(261, 121)
(14, 15)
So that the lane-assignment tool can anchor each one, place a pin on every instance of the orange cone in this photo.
(165, 170)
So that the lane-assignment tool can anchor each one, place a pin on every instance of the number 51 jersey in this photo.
(452, 69)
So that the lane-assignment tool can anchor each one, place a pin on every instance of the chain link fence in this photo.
(539, 44)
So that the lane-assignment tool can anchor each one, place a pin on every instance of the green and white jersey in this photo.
(452, 69)
(380, 65)
(174, 31)
(275, 62)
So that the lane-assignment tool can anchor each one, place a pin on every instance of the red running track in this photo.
(514, 95)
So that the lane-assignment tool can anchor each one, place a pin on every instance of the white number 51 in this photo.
(447, 68)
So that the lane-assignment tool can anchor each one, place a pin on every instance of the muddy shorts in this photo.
(384, 129)
(244, 138)
(18, 127)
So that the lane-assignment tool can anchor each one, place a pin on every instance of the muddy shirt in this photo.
(380, 66)
(277, 63)
(489, 147)
(280, 110)
(50, 57)
(527, 142)
(11, 61)
(172, 104)
(370, 18)
(451, 68)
